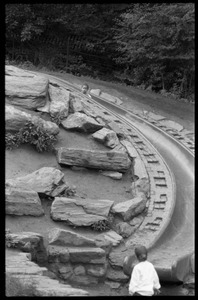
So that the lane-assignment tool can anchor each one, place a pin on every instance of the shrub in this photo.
(12, 141)
(14, 287)
(103, 225)
(57, 119)
(31, 134)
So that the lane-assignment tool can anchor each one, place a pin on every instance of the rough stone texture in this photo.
(132, 152)
(66, 271)
(136, 221)
(15, 119)
(124, 229)
(27, 272)
(172, 124)
(129, 208)
(59, 101)
(61, 237)
(103, 243)
(117, 129)
(57, 254)
(111, 236)
(44, 180)
(95, 92)
(116, 275)
(107, 137)
(14, 71)
(20, 201)
(113, 285)
(80, 212)
(139, 168)
(30, 242)
(27, 92)
(96, 270)
(111, 98)
(87, 255)
(155, 116)
(113, 175)
(104, 160)
(79, 270)
(46, 107)
(81, 122)
(142, 185)
(116, 258)
(76, 105)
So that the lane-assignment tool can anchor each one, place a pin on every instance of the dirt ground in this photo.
(90, 184)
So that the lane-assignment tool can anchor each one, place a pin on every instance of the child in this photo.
(144, 279)
(85, 89)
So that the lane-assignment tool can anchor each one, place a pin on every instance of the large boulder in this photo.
(130, 208)
(16, 119)
(81, 122)
(117, 129)
(59, 101)
(104, 160)
(31, 275)
(172, 124)
(76, 105)
(107, 137)
(28, 92)
(124, 229)
(61, 237)
(20, 201)
(45, 181)
(29, 242)
(14, 71)
(80, 212)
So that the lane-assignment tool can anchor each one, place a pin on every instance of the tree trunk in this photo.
(67, 54)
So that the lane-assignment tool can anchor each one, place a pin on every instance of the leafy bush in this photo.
(14, 287)
(103, 225)
(57, 118)
(12, 141)
(31, 134)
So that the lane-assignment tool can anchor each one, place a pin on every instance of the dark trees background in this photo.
(148, 45)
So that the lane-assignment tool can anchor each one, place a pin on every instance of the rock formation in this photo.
(104, 160)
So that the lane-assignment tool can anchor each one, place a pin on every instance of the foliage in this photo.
(12, 141)
(57, 118)
(31, 134)
(156, 43)
(103, 225)
(15, 287)
(140, 44)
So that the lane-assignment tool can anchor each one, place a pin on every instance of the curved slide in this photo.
(172, 252)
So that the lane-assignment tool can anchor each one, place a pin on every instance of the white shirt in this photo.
(143, 279)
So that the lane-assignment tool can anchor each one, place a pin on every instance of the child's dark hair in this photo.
(85, 84)
(141, 253)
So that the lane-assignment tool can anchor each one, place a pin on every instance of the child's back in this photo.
(144, 279)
